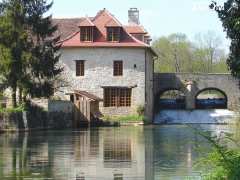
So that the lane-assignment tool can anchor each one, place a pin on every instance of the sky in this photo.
(159, 17)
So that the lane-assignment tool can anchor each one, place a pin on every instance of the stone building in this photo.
(104, 58)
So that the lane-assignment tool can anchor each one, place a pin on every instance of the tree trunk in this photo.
(24, 97)
(14, 97)
(20, 99)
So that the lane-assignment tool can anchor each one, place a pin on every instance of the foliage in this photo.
(224, 161)
(140, 110)
(28, 51)
(17, 109)
(230, 17)
(178, 54)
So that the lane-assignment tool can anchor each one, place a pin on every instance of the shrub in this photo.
(20, 108)
(223, 163)
(140, 110)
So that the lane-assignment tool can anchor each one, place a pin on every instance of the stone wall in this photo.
(11, 121)
(223, 82)
(60, 106)
(99, 73)
(36, 119)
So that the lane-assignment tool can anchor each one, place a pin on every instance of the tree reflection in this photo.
(26, 161)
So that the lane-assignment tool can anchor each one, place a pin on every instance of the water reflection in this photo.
(166, 152)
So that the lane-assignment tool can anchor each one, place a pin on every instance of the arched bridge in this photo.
(191, 85)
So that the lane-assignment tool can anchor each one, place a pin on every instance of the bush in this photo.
(140, 110)
(20, 108)
(223, 163)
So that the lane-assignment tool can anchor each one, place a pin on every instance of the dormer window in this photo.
(86, 30)
(86, 34)
(113, 34)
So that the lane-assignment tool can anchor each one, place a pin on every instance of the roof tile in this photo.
(70, 35)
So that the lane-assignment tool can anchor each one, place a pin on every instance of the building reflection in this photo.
(149, 153)
(117, 151)
(108, 153)
(112, 153)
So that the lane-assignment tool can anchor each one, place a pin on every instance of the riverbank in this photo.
(130, 120)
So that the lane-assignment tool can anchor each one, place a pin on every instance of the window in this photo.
(86, 34)
(79, 68)
(117, 97)
(113, 34)
(117, 68)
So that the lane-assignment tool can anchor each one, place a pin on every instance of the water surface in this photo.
(151, 153)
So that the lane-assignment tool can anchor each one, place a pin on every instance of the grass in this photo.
(124, 119)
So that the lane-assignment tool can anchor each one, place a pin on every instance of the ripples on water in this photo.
(151, 153)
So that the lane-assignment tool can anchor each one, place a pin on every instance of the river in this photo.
(151, 153)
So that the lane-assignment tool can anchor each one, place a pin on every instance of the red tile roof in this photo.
(86, 22)
(113, 23)
(66, 27)
(135, 29)
(69, 30)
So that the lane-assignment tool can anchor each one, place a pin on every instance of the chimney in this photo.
(133, 16)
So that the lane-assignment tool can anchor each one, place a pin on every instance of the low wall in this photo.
(60, 106)
(58, 116)
(11, 121)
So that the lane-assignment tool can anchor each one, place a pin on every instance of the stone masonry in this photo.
(99, 74)
(192, 84)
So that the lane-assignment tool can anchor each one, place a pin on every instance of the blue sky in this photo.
(159, 17)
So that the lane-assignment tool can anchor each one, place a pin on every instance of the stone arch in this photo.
(211, 102)
(179, 104)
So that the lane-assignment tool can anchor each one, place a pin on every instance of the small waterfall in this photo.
(209, 116)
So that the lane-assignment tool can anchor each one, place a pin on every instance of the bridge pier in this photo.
(190, 95)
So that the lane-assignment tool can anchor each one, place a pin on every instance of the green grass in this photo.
(124, 119)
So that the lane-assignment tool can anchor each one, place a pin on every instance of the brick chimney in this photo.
(133, 16)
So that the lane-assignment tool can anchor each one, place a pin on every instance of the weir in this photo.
(206, 116)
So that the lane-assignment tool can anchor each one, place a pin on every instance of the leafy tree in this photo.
(178, 54)
(29, 53)
(230, 17)
(174, 53)
(44, 51)
(208, 43)
(14, 45)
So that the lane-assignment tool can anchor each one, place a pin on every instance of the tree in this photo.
(174, 53)
(44, 51)
(230, 17)
(29, 57)
(14, 45)
(209, 44)
(178, 54)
